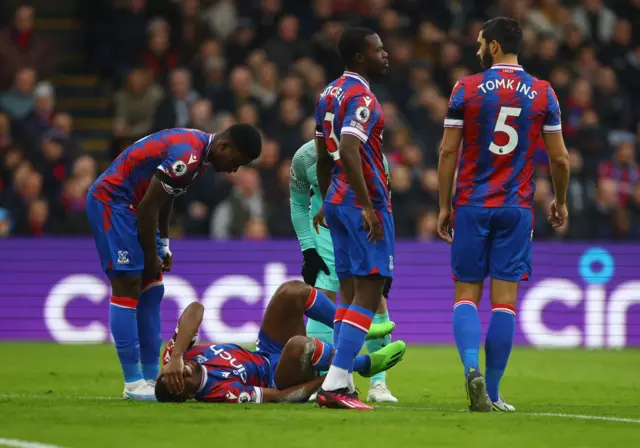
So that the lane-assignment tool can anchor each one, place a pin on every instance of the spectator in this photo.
(129, 43)
(287, 128)
(241, 42)
(622, 171)
(192, 30)
(173, 111)
(135, 106)
(246, 202)
(222, 17)
(159, 58)
(612, 102)
(614, 52)
(239, 93)
(595, 20)
(286, 47)
(6, 137)
(40, 117)
(18, 102)
(22, 46)
(266, 90)
(256, 229)
(202, 116)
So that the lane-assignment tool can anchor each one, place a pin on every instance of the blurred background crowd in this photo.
(81, 80)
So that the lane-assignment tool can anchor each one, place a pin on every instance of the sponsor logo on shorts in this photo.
(391, 262)
(123, 257)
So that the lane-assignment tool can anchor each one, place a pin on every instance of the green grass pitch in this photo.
(67, 396)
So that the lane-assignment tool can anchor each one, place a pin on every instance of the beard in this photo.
(486, 59)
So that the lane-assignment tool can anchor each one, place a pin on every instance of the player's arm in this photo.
(189, 324)
(448, 157)
(148, 212)
(448, 160)
(293, 394)
(299, 188)
(558, 159)
(164, 217)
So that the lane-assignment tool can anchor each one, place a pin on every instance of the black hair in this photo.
(245, 139)
(164, 396)
(506, 32)
(352, 42)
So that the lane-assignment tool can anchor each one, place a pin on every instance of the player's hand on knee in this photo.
(372, 224)
(167, 261)
(444, 224)
(312, 265)
(558, 214)
(318, 220)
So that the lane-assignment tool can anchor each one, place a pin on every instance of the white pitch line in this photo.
(15, 443)
(54, 396)
(533, 414)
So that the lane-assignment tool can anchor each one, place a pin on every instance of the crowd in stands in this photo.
(208, 64)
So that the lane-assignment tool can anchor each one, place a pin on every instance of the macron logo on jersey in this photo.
(367, 100)
(192, 159)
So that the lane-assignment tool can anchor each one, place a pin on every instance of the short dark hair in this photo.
(164, 396)
(506, 32)
(353, 41)
(245, 139)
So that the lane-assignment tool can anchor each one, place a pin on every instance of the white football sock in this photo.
(352, 384)
(337, 378)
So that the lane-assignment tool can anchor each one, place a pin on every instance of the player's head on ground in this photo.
(234, 147)
(498, 38)
(362, 51)
(193, 377)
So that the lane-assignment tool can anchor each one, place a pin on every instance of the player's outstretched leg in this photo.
(378, 390)
(124, 328)
(149, 329)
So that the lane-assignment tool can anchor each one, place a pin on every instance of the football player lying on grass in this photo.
(285, 365)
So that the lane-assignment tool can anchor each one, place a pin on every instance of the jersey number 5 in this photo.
(335, 155)
(502, 126)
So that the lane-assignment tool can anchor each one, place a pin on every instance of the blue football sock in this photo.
(124, 328)
(497, 346)
(355, 325)
(337, 322)
(149, 331)
(320, 331)
(322, 354)
(320, 308)
(467, 332)
(362, 364)
(374, 345)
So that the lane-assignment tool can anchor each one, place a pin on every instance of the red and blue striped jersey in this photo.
(502, 112)
(180, 153)
(233, 374)
(347, 106)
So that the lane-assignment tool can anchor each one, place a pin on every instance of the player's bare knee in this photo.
(294, 291)
(301, 347)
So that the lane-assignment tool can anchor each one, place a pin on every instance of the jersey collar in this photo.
(353, 75)
(206, 152)
(515, 67)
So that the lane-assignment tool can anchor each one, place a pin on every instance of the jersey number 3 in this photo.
(335, 155)
(502, 126)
